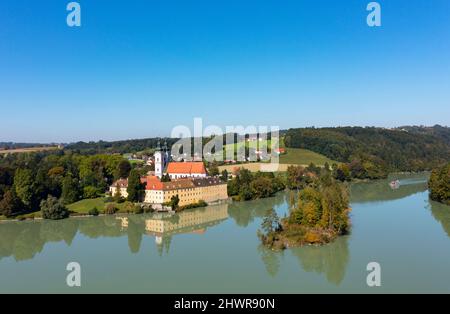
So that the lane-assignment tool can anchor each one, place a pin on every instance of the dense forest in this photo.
(49, 180)
(386, 150)
(439, 184)
(246, 185)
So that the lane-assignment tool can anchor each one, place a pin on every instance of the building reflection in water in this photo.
(163, 226)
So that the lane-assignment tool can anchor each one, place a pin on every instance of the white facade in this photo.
(186, 175)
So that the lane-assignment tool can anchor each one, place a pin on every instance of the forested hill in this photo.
(400, 149)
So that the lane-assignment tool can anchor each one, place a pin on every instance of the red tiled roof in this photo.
(153, 183)
(186, 167)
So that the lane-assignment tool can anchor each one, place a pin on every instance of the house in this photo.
(122, 185)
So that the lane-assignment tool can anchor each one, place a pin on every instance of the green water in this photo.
(216, 250)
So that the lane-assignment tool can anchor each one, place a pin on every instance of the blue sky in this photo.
(136, 69)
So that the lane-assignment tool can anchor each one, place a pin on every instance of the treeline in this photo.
(12, 145)
(439, 184)
(48, 181)
(120, 147)
(376, 151)
(249, 186)
(318, 215)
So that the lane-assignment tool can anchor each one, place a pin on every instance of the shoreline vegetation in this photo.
(439, 184)
(318, 214)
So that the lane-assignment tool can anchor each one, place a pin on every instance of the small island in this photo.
(318, 215)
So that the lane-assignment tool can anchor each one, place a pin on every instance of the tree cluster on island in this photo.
(319, 214)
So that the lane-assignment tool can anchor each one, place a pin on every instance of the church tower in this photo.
(161, 158)
(158, 163)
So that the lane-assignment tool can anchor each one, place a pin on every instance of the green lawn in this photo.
(84, 206)
(300, 156)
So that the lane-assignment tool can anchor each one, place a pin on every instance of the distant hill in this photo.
(407, 148)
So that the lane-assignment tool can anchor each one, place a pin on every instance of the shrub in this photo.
(53, 209)
(148, 209)
(110, 209)
(129, 207)
(312, 237)
(138, 210)
(94, 212)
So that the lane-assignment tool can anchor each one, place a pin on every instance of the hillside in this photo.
(402, 149)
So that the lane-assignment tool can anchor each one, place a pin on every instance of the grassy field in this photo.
(254, 167)
(84, 206)
(81, 207)
(293, 156)
(298, 156)
(27, 150)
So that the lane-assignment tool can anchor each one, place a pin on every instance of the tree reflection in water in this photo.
(244, 213)
(331, 259)
(441, 213)
(271, 259)
(23, 240)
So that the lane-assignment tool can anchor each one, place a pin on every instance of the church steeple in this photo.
(158, 161)
(161, 158)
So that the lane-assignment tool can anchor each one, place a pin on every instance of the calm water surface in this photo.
(216, 250)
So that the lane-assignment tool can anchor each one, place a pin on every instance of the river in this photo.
(216, 250)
